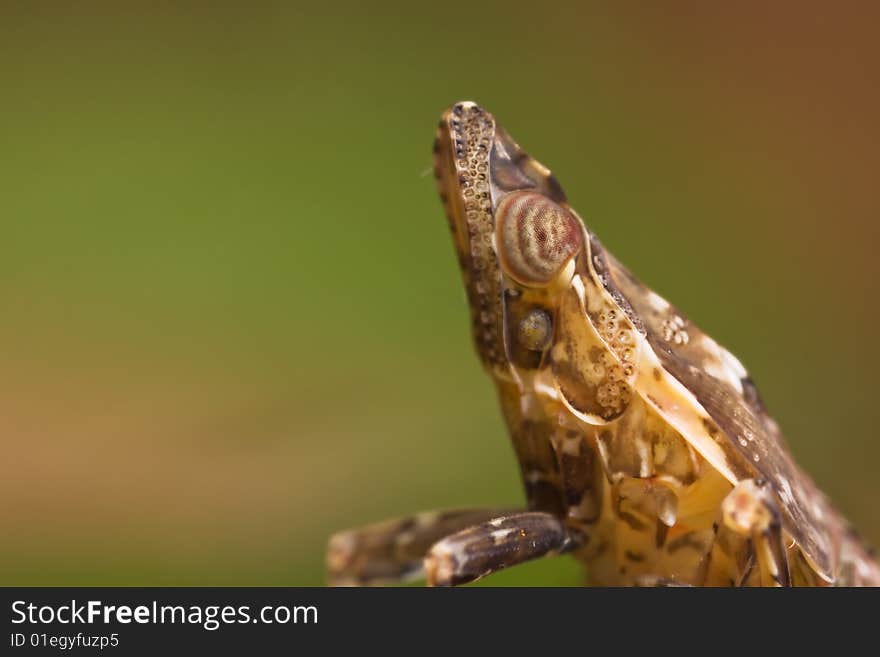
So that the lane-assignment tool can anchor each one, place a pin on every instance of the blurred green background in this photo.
(233, 322)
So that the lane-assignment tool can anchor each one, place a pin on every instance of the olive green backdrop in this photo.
(232, 319)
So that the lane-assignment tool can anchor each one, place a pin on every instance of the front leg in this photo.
(393, 550)
(490, 546)
(750, 511)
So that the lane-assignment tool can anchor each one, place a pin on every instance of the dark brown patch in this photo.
(711, 427)
(686, 541)
(543, 496)
(634, 523)
(751, 396)
(579, 473)
(662, 533)
(638, 557)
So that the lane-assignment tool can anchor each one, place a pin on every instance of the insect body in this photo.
(644, 446)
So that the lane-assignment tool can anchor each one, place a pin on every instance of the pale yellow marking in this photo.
(744, 510)
(678, 406)
(698, 503)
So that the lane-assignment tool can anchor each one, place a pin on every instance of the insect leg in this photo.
(393, 550)
(750, 511)
(491, 546)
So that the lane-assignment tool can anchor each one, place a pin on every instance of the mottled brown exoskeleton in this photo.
(644, 447)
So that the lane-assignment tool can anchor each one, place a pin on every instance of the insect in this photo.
(644, 447)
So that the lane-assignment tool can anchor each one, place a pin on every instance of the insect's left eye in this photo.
(535, 237)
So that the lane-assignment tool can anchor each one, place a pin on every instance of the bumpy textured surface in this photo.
(462, 164)
(630, 424)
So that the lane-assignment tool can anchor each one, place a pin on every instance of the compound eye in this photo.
(535, 237)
